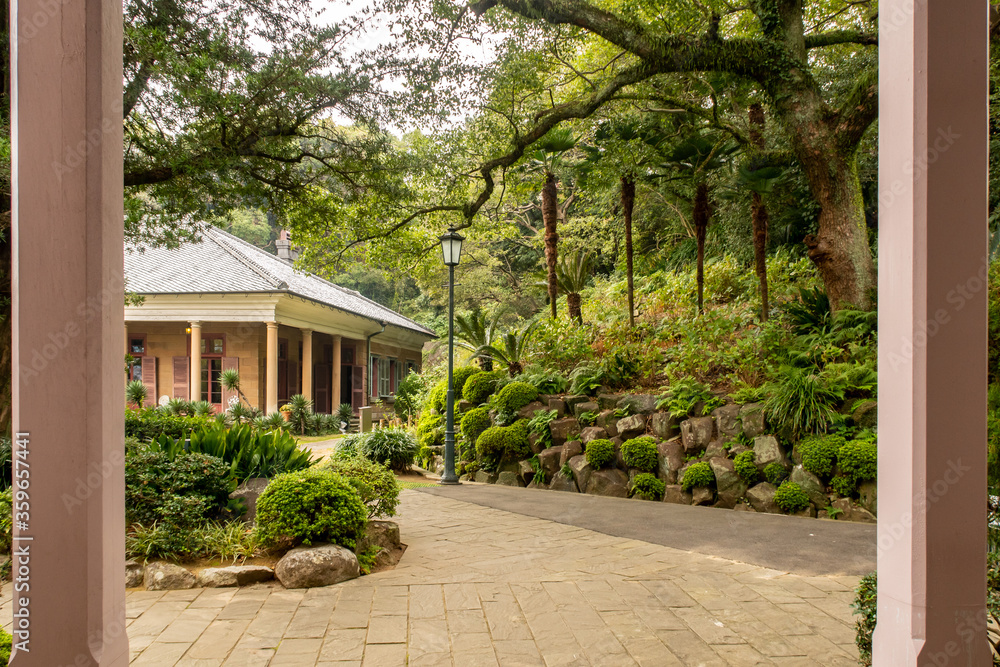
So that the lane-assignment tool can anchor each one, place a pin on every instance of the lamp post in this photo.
(451, 249)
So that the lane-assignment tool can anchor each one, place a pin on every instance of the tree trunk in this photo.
(759, 213)
(701, 216)
(628, 202)
(574, 304)
(486, 363)
(549, 216)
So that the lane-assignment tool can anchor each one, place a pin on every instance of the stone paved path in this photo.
(480, 586)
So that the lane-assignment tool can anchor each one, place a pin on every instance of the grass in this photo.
(307, 439)
(416, 485)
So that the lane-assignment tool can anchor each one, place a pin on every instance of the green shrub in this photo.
(802, 401)
(481, 386)
(183, 491)
(684, 395)
(539, 424)
(698, 475)
(819, 454)
(648, 487)
(844, 486)
(865, 605)
(430, 429)
(474, 422)
(406, 403)
(547, 382)
(498, 443)
(378, 487)
(858, 460)
(640, 453)
(394, 448)
(437, 396)
(6, 522)
(746, 468)
(775, 473)
(6, 642)
(228, 541)
(310, 506)
(791, 498)
(460, 377)
(150, 423)
(600, 453)
(514, 396)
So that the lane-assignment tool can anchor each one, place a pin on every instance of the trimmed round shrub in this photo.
(394, 448)
(430, 429)
(515, 396)
(504, 442)
(746, 468)
(819, 454)
(648, 487)
(791, 498)
(375, 483)
(184, 491)
(859, 460)
(600, 453)
(460, 378)
(775, 473)
(640, 453)
(844, 486)
(311, 506)
(698, 475)
(479, 387)
(474, 422)
(437, 395)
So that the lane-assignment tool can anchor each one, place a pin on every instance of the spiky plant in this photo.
(511, 349)
(135, 393)
(573, 272)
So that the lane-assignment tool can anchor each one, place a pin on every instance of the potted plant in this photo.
(286, 411)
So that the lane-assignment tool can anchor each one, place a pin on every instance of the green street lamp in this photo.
(451, 250)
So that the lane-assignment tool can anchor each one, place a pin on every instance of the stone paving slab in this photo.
(482, 586)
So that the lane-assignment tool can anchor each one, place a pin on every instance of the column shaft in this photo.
(307, 363)
(271, 376)
(933, 270)
(194, 393)
(335, 375)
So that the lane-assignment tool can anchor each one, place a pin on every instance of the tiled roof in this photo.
(223, 263)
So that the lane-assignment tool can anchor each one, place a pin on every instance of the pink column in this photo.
(68, 326)
(932, 333)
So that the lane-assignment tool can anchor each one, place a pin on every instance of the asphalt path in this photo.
(812, 547)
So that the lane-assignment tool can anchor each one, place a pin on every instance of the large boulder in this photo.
(865, 414)
(767, 450)
(561, 429)
(168, 577)
(608, 401)
(484, 477)
(134, 574)
(752, 419)
(535, 443)
(664, 425)
(563, 482)
(811, 484)
(726, 479)
(696, 433)
(670, 456)
(593, 433)
(574, 400)
(525, 472)
(638, 403)
(321, 565)
(761, 498)
(509, 478)
(868, 492)
(632, 427)
(609, 482)
(569, 450)
(702, 496)
(528, 411)
(674, 493)
(607, 420)
(549, 459)
(716, 448)
(581, 470)
(236, 575)
(382, 534)
(559, 406)
(852, 512)
(727, 419)
(587, 406)
(249, 491)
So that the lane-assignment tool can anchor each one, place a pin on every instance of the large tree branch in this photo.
(858, 112)
(834, 37)
(136, 87)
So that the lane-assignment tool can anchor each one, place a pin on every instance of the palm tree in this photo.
(628, 204)
(511, 349)
(476, 331)
(573, 273)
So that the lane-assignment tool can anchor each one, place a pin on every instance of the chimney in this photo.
(284, 246)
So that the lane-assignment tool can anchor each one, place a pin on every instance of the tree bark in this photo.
(574, 304)
(628, 203)
(701, 216)
(549, 216)
(759, 213)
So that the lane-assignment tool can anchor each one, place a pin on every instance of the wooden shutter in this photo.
(227, 394)
(294, 381)
(182, 373)
(321, 388)
(149, 380)
(357, 387)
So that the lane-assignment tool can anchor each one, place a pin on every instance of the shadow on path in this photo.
(799, 545)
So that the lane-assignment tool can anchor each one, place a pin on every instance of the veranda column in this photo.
(307, 363)
(68, 326)
(195, 384)
(271, 376)
(932, 333)
(335, 375)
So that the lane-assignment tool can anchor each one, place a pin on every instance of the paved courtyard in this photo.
(482, 586)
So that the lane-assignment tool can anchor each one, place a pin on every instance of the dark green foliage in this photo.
(684, 396)
(859, 460)
(600, 453)
(865, 607)
(407, 396)
(437, 396)
(811, 314)
(586, 379)
(648, 487)
(481, 386)
(587, 418)
(499, 443)
(844, 486)
(802, 401)
(311, 506)
(746, 468)
(698, 475)
(791, 498)
(775, 473)
(640, 453)
(182, 490)
(430, 429)
(512, 398)
(539, 424)
(461, 377)
(566, 470)
(547, 382)
(819, 454)
(394, 448)
(474, 422)
(150, 423)
(375, 483)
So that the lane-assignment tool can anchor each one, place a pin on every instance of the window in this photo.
(213, 347)
(399, 373)
(383, 377)
(213, 344)
(136, 349)
(373, 376)
(411, 367)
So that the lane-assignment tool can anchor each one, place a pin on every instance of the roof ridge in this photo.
(241, 257)
(371, 301)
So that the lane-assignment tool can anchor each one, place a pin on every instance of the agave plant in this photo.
(202, 409)
(135, 393)
(230, 379)
(301, 411)
(274, 421)
(178, 406)
(511, 349)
